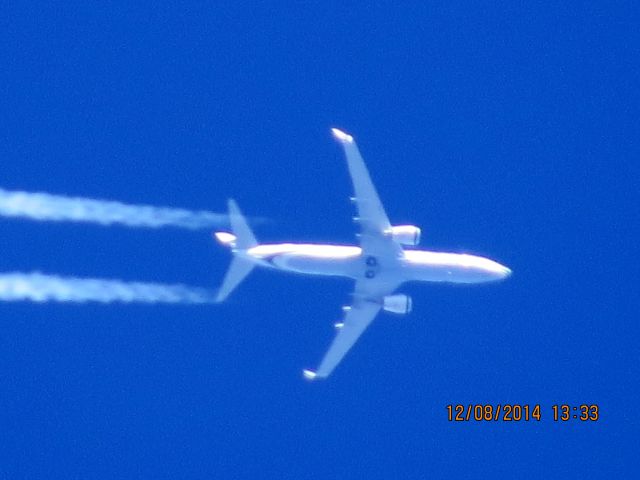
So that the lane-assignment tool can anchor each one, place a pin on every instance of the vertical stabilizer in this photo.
(241, 240)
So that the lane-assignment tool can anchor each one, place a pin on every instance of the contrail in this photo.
(38, 287)
(58, 208)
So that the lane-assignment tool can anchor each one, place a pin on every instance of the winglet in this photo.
(309, 374)
(341, 136)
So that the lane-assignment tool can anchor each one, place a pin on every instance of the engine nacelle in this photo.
(399, 303)
(406, 234)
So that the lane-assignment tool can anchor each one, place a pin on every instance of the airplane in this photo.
(379, 264)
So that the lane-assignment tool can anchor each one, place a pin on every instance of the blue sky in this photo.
(508, 130)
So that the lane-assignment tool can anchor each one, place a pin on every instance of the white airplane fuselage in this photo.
(384, 259)
(348, 261)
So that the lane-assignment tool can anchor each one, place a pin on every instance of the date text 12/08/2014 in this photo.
(521, 412)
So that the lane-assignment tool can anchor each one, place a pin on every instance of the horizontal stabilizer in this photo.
(240, 267)
(240, 240)
(244, 236)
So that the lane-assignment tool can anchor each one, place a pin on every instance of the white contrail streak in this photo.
(47, 207)
(38, 287)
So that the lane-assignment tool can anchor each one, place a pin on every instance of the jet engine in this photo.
(406, 234)
(399, 303)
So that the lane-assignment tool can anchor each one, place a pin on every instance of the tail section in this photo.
(240, 267)
(240, 241)
(242, 231)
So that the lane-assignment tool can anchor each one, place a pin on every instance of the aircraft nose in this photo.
(505, 271)
(497, 271)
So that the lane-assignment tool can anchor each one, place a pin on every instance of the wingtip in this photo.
(219, 298)
(232, 204)
(309, 374)
(341, 136)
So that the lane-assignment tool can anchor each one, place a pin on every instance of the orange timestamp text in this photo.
(520, 412)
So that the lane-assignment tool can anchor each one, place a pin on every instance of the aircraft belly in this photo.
(313, 265)
(450, 267)
(444, 273)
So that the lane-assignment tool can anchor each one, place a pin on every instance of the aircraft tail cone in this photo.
(309, 374)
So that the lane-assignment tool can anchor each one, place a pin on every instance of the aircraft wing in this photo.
(368, 297)
(374, 223)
